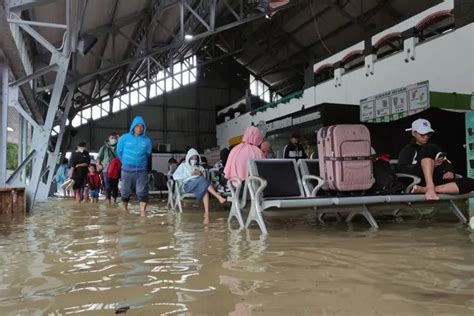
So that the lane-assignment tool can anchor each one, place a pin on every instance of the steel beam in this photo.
(197, 16)
(33, 33)
(38, 185)
(52, 158)
(87, 77)
(43, 71)
(4, 123)
(40, 24)
(22, 112)
(26, 4)
(9, 47)
(42, 134)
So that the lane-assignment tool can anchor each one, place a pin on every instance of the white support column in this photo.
(41, 134)
(52, 157)
(40, 158)
(23, 146)
(4, 72)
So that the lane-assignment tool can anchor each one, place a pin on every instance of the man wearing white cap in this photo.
(427, 161)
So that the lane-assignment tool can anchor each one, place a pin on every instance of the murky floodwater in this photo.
(69, 259)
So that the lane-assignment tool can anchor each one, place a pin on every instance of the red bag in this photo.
(113, 171)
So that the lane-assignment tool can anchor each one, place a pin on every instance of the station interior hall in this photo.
(224, 157)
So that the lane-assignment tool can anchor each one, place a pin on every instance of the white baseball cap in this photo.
(421, 126)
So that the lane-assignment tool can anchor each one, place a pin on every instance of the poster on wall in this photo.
(395, 104)
(367, 111)
(418, 97)
(382, 106)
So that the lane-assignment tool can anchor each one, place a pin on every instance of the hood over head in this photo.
(252, 136)
(190, 153)
(136, 121)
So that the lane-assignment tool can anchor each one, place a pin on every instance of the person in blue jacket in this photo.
(134, 149)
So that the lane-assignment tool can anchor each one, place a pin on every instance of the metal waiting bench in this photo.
(277, 183)
(311, 167)
(177, 195)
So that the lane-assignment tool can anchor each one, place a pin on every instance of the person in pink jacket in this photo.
(237, 163)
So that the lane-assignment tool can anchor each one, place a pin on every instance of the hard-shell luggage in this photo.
(345, 160)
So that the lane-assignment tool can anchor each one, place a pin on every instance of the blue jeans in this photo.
(198, 186)
(134, 182)
(94, 194)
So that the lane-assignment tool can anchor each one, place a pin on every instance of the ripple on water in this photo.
(95, 259)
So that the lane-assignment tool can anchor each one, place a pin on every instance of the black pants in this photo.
(111, 187)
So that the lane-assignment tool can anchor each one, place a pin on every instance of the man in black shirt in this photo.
(79, 162)
(427, 161)
(294, 150)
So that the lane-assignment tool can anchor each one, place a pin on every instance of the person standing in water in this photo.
(134, 149)
(106, 154)
(79, 162)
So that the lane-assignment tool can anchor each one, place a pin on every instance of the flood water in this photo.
(96, 259)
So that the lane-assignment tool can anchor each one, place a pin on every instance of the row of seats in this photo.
(285, 183)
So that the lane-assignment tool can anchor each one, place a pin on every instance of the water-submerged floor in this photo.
(94, 259)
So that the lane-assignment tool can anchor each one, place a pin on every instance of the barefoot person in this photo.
(79, 162)
(427, 161)
(133, 149)
(106, 154)
(191, 173)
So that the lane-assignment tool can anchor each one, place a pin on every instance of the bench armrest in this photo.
(415, 180)
(306, 179)
(255, 185)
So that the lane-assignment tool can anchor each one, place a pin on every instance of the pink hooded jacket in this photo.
(237, 163)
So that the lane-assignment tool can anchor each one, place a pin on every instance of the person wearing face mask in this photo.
(106, 154)
(79, 162)
(191, 173)
(133, 150)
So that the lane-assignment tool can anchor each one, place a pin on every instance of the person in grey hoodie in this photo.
(106, 153)
(190, 172)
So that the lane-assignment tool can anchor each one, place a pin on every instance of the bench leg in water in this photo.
(455, 209)
(321, 217)
(366, 213)
(256, 215)
(236, 212)
(178, 203)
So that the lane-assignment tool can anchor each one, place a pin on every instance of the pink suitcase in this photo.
(345, 157)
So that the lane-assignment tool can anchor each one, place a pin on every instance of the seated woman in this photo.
(426, 160)
(192, 175)
(237, 163)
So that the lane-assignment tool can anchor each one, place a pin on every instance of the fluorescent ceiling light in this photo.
(10, 129)
(188, 37)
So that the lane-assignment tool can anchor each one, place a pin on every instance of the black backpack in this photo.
(157, 181)
(386, 181)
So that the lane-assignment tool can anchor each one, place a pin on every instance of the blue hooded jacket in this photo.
(133, 150)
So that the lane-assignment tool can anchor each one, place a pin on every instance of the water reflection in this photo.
(69, 259)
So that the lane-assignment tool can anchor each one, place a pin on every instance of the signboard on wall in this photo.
(395, 104)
